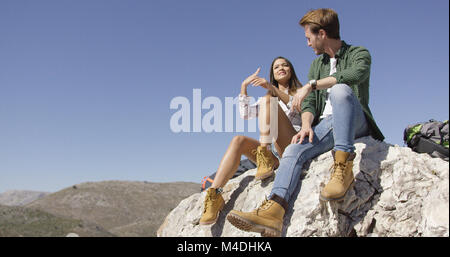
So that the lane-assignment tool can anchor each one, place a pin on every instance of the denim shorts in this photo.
(274, 151)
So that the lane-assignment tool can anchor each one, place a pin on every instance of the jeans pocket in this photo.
(322, 129)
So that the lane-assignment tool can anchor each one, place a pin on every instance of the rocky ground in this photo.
(397, 192)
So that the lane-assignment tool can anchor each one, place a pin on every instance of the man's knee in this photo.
(340, 92)
(292, 150)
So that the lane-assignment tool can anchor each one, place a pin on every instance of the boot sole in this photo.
(339, 198)
(204, 223)
(249, 226)
(267, 175)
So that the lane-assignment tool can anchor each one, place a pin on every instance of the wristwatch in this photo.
(313, 84)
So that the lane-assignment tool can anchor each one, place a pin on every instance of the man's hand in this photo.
(301, 94)
(306, 131)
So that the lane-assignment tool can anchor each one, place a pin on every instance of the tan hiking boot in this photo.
(267, 219)
(213, 205)
(341, 176)
(265, 161)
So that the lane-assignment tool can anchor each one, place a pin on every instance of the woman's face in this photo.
(281, 71)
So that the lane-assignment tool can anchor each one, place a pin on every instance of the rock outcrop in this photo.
(397, 192)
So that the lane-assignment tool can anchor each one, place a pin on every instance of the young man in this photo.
(335, 111)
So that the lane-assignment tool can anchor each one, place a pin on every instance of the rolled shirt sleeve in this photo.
(247, 110)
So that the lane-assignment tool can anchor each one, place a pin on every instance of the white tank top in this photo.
(328, 108)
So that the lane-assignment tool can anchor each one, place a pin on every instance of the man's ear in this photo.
(322, 33)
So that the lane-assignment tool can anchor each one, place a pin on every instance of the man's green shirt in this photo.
(352, 69)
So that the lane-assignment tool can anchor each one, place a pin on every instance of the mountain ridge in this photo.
(20, 197)
(103, 208)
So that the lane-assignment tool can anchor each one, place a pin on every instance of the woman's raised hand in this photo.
(250, 78)
(255, 81)
(261, 82)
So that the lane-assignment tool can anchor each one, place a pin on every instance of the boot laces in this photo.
(261, 158)
(264, 206)
(208, 202)
(338, 171)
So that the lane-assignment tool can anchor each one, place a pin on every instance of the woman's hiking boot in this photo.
(213, 205)
(265, 161)
(341, 176)
(267, 219)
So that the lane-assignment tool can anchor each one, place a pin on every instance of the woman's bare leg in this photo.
(214, 201)
(285, 131)
(240, 145)
(264, 120)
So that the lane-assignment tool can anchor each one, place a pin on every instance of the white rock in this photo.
(397, 192)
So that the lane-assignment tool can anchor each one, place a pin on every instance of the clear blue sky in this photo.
(85, 86)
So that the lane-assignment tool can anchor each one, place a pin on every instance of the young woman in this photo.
(283, 84)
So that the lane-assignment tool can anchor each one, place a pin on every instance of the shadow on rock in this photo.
(360, 198)
(365, 192)
(217, 228)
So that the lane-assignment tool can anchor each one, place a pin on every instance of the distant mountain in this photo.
(20, 197)
(17, 221)
(123, 208)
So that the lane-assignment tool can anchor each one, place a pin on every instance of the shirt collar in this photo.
(339, 53)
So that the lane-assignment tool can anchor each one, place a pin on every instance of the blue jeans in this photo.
(337, 131)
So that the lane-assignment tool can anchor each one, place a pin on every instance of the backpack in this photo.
(430, 137)
(244, 165)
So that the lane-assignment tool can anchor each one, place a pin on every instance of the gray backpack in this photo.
(430, 137)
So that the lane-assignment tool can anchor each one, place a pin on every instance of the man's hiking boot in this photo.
(341, 176)
(213, 205)
(265, 161)
(267, 219)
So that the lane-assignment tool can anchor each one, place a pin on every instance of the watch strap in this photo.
(313, 84)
